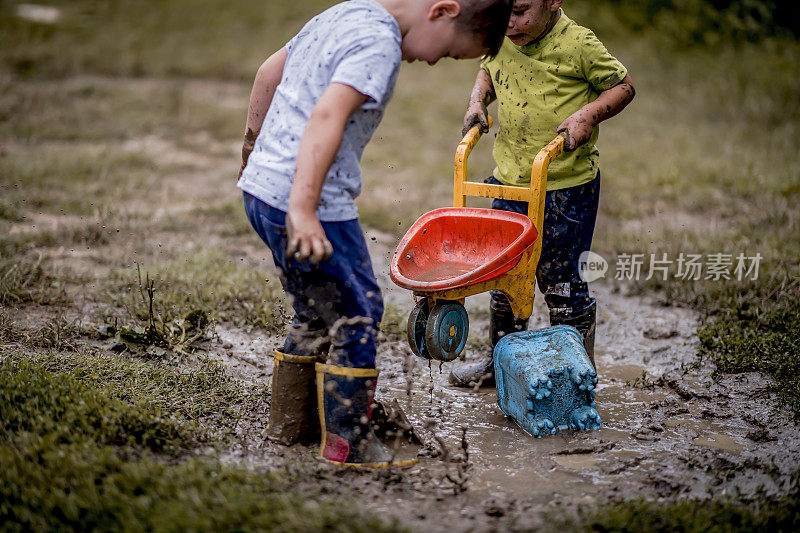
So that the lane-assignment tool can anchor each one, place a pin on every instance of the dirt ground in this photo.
(670, 429)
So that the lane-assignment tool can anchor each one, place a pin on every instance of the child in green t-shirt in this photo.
(551, 76)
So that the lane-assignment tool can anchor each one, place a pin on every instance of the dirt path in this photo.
(669, 430)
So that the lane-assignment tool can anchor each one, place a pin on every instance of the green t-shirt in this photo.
(537, 87)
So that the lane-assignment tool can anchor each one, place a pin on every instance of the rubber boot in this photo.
(501, 322)
(345, 406)
(293, 415)
(585, 321)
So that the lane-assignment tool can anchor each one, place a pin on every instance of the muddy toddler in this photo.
(314, 106)
(551, 76)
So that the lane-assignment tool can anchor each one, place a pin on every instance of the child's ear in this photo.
(556, 5)
(444, 9)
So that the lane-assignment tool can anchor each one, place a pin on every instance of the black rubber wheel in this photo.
(417, 324)
(447, 330)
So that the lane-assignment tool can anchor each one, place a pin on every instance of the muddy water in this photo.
(668, 431)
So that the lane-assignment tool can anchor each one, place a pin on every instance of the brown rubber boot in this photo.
(293, 415)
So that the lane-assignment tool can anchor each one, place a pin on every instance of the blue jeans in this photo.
(569, 219)
(337, 301)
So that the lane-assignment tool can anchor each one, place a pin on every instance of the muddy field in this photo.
(117, 169)
(669, 429)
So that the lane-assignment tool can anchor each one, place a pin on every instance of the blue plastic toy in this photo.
(545, 380)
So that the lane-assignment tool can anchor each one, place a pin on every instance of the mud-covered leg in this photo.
(570, 216)
(345, 398)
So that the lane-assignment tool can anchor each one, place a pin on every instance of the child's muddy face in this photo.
(531, 20)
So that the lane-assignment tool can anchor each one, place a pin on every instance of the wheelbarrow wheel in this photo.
(446, 332)
(417, 324)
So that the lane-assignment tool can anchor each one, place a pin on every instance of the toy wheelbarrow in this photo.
(455, 252)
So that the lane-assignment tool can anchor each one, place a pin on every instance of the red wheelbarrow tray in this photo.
(456, 247)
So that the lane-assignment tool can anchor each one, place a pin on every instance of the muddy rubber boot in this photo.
(501, 322)
(293, 415)
(345, 398)
(585, 321)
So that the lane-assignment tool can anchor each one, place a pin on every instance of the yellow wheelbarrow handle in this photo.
(534, 195)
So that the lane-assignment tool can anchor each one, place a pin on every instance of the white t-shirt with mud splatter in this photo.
(356, 43)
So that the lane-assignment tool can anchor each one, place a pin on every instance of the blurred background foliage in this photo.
(194, 37)
(707, 22)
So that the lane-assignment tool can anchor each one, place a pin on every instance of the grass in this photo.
(202, 392)
(92, 442)
(78, 488)
(768, 342)
(66, 409)
(229, 215)
(182, 38)
(32, 180)
(87, 235)
(105, 110)
(207, 281)
(24, 279)
(711, 515)
(56, 333)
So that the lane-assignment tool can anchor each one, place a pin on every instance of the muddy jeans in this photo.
(569, 218)
(337, 301)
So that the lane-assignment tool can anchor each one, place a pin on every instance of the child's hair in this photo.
(487, 19)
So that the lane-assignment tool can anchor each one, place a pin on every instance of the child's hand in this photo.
(247, 148)
(476, 114)
(306, 238)
(578, 128)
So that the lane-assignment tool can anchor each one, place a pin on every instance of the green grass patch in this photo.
(65, 409)
(93, 109)
(229, 216)
(205, 392)
(87, 236)
(9, 213)
(182, 37)
(57, 333)
(700, 516)
(24, 279)
(74, 179)
(99, 442)
(759, 339)
(207, 280)
(78, 488)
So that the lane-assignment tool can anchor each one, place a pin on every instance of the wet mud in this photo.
(670, 429)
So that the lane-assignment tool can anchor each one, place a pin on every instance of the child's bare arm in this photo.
(579, 125)
(482, 95)
(267, 79)
(318, 147)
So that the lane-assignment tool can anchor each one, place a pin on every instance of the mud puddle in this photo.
(669, 429)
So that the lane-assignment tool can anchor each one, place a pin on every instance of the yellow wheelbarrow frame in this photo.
(518, 283)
